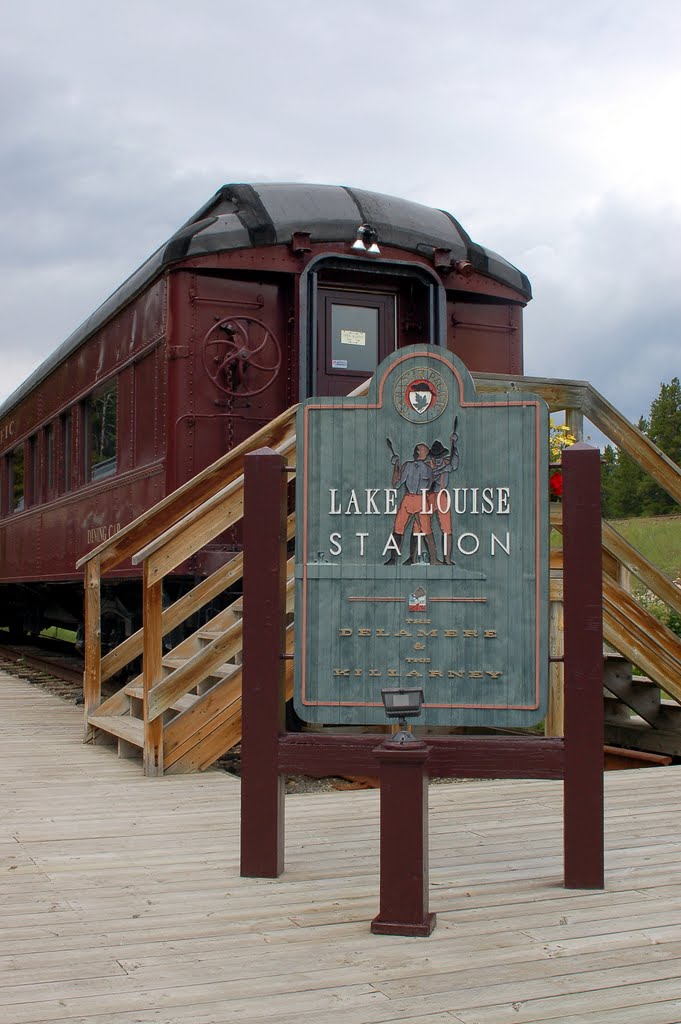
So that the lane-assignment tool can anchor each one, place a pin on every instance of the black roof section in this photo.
(247, 216)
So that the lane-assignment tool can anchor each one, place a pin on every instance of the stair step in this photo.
(669, 717)
(129, 729)
(638, 735)
(136, 691)
(228, 668)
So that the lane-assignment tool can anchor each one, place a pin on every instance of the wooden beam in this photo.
(92, 677)
(153, 670)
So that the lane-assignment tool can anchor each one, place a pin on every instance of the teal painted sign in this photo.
(422, 551)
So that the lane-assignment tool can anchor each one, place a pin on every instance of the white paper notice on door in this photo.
(353, 338)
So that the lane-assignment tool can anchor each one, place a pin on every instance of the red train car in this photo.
(268, 294)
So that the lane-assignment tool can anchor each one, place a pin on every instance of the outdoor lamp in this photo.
(366, 240)
(402, 703)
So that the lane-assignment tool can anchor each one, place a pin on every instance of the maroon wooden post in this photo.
(404, 841)
(583, 664)
(262, 701)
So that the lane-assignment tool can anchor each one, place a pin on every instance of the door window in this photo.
(355, 332)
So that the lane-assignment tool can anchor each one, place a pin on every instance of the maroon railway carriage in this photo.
(270, 293)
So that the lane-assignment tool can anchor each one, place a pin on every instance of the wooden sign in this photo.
(422, 550)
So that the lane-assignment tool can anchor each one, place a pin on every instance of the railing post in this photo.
(574, 421)
(555, 714)
(92, 676)
(152, 671)
(583, 664)
(264, 639)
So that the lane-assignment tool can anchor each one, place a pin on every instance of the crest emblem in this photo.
(417, 600)
(421, 395)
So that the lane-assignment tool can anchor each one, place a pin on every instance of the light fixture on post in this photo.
(367, 240)
(402, 703)
(403, 773)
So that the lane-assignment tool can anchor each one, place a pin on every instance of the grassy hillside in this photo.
(657, 537)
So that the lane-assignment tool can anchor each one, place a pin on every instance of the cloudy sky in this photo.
(552, 131)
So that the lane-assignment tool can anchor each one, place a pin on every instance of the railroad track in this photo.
(35, 659)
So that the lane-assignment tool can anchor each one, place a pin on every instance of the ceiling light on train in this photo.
(367, 239)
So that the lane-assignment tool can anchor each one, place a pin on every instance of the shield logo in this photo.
(421, 395)
(417, 600)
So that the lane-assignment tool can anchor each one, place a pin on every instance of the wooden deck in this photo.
(121, 899)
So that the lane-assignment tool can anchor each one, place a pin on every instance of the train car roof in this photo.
(247, 216)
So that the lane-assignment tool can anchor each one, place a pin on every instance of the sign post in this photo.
(421, 564)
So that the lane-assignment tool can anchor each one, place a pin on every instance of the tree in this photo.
(664, 430)
(626, 489)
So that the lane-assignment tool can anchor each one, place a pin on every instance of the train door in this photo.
(356, 330)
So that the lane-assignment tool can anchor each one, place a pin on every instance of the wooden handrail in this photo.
(206, 590)
(638, 564)
(189, 496)
(580, 395)
(206, 661)
(200, 526)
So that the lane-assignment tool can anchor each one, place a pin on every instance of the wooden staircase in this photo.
(184, 711)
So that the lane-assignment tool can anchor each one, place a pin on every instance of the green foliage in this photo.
(626, 489)
(658, 538)
(660, 610)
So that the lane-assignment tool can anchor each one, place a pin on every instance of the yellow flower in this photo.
(559, 439)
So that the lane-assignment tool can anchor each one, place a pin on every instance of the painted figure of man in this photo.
(416, 476)
(442, 463)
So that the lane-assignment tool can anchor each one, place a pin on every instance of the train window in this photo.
(33, 467)
(354, 338)
(17, 479)
(49, 458)
(100, 433)
(66, 436)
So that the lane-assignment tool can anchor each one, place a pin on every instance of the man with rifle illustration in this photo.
(416, 476)
(423, 477)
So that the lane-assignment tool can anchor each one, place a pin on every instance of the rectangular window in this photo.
(67, 450)
(33, 468)
(100, 433)
(17, 481)
(49, 459)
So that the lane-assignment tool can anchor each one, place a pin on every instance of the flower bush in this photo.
(560, 438)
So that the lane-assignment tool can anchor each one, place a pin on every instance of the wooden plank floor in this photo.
(121, 900)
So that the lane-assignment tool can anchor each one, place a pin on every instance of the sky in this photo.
(551, 131)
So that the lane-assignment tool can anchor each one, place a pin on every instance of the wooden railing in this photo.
(628, 627)
(161, 539)
(184, 522)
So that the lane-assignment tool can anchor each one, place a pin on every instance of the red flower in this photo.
(556, 484)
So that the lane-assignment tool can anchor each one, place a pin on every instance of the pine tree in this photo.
(628, 491)
(664, 429)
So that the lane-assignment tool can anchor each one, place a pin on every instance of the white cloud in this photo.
(550, 132)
